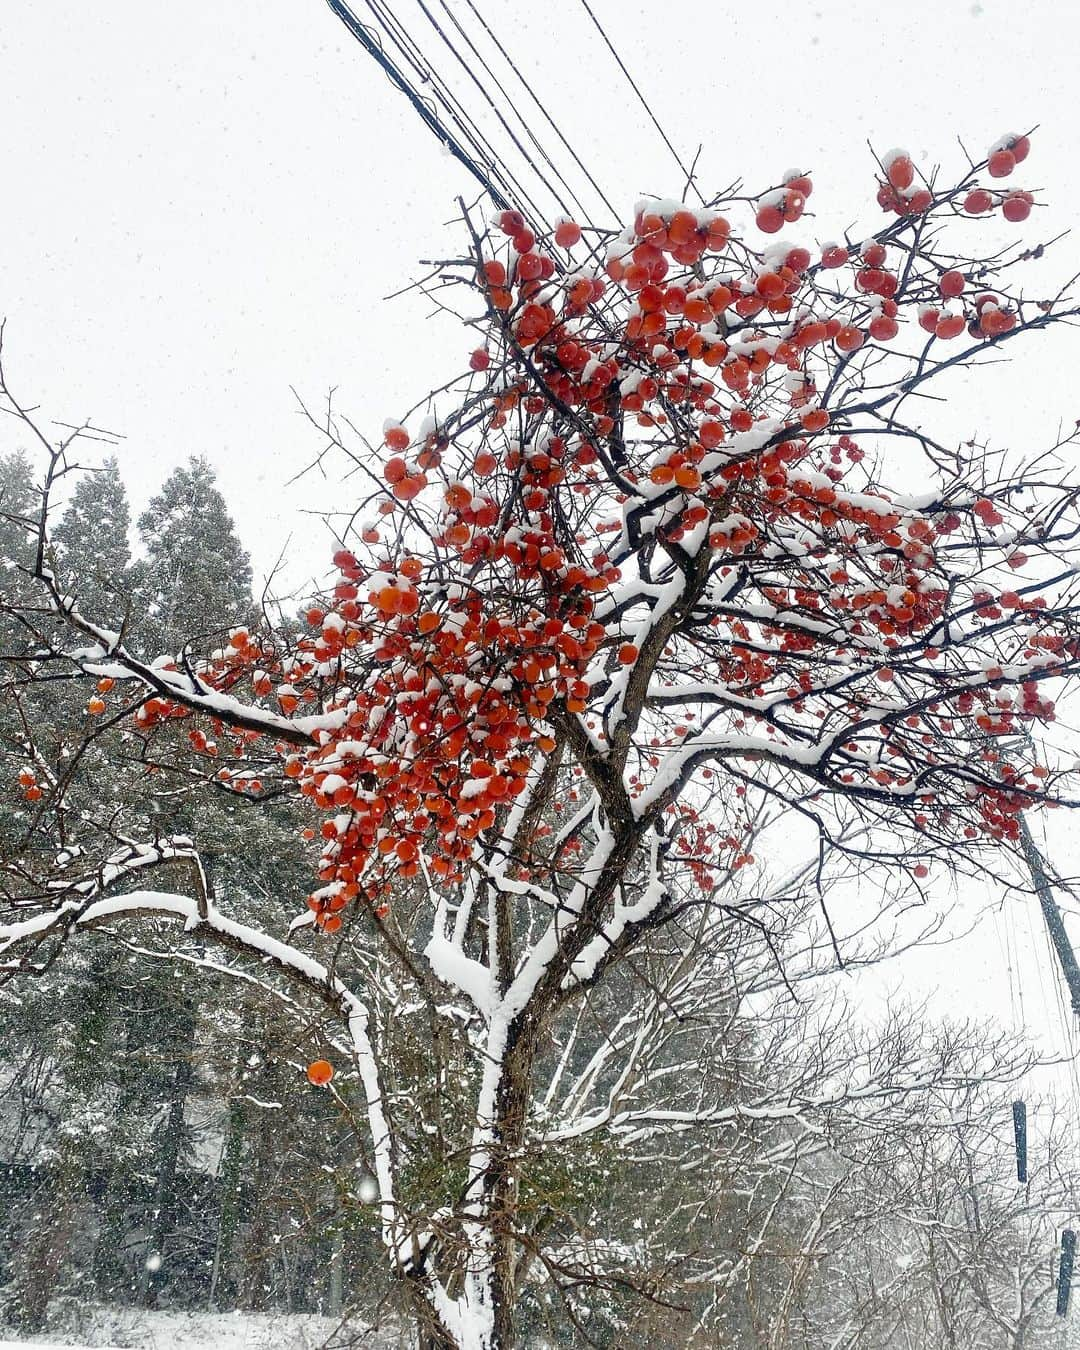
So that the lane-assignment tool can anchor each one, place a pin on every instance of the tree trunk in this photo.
(433, 1338)
(110, 1234)
(55, 1209)
(166, 1195)
(499, 1184)
(512, 1118)
(222, 1283)
(335, 1283)
(259, 1245)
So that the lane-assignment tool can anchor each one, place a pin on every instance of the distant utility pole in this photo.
(1055, 924)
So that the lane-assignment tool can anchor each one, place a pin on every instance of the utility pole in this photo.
(1055, 924)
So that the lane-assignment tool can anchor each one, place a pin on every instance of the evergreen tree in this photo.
(202, 586)
(119, 1070)
(112, 1153)
(53, 1037)
(16, 509)
(199, 574)
(198, 583)
(16, 552)
(94, 552)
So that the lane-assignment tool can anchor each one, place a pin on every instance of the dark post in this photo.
(1020, 1134)
(1068, 1250)
(1055, 925)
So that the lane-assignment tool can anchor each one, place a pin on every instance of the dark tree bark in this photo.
(164, 1218)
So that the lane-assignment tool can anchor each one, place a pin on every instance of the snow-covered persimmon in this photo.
(899, 169)
(1002, 163)
(567, 233)
(1017, 207)
(396, 437)
(770, 218)
(883, 328)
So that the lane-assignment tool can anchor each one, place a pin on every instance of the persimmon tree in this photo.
(682, 553)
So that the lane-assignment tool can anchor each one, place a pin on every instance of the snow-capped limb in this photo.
(516, 886)
(550, 949)
(652, 895)
(449, 963)
(204, 922)
(623, 1052)
(69, 896)
(135, 856)
(112, 660)
(678, 763)
(201, 918)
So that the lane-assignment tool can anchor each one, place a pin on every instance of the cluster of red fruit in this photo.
(1016, 204)
(785, 205)
(440, 735)
(675, 390)
(898, 191)
(431, 748)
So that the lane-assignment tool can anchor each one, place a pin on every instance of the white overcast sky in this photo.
(204, 204)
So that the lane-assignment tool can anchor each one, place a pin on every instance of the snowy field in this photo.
(134, 1329)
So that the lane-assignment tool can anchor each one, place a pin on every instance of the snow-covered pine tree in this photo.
(99, 1127)
(17, 505)
(197, 573)
(93, 546)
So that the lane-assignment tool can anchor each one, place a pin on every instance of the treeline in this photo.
(157, 1145)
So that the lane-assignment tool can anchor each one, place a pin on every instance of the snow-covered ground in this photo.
(110, 1328)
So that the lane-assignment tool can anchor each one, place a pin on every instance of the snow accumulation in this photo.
(97, 1327)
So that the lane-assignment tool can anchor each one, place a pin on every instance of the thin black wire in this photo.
(618, 59)
(515, 110)
(547, 116)
(428, 92)
(484, 163)
(428, 75)
(471, 73)
(429, 118)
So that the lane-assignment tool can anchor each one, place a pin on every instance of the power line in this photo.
(430, 120)
(543, 110)
(430, 94)
(644, 103)
(469, 146)
(471, 73)
(428, 74)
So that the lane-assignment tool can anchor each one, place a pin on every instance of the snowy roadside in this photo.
(43, 1345)
(96, 1327)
